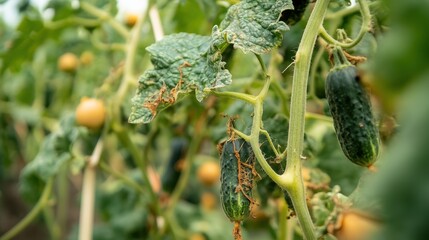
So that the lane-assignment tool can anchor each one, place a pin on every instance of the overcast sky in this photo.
(9, 13)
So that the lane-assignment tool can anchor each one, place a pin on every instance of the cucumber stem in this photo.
(365, 27)
(236, 95)
(292, 176)
(236, 232)
(339, 59)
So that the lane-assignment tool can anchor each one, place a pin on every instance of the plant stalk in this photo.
(292, 175)
(105, 16)
(88, 194)
(40, 205)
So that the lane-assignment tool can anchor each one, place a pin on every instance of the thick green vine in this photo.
(292, 179)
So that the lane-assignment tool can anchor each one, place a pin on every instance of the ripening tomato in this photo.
(197, 236)
(130, 19)
(86, 58)
(208, 201)
(355, 226)
(68, 62)
(209, 173)
(90, 113)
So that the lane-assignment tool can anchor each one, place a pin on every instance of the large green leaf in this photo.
(30, 35)
(253, 25)
(54, 153)
(182, 63)
(331, 160)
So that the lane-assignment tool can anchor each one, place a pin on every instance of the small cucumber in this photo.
(350, 108)
(172, 171)
(237, 161)
(293, 16)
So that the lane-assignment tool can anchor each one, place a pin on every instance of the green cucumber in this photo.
(237, 161)
(293, 16)
(172, 172)
(350, 108)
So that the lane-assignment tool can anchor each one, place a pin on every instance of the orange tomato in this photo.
(90, 113)
(130, 19)
(209, 173)
(208, 201)
(86, 58)
(68, 62)
(355, 226)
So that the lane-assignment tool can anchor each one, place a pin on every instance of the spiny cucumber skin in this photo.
(234, 203)
(350, 108)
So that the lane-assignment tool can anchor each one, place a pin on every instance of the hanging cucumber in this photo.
(350, 108)
(173, 171)
(237, 161)
(293, 16)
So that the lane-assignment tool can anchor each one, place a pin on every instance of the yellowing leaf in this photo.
(254, 25)
(182, 63)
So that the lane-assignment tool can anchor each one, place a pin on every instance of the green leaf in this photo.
(182, 63)
(253, 25)
(331, 160)
(325, 153)
(9, 144)
(54, 153)
(30, 35)
(198, 24)
(62, 9)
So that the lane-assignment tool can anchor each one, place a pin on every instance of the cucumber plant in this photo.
(201, 70)
(278, 139)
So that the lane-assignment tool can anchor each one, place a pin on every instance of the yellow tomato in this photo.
(68, 62)
(355, 226)
(208, 201)
(86, 58)
(197, 236)
(91, 113)
(209, 173)
(130, 19)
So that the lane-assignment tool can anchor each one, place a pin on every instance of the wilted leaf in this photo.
(253, 25)
(325, 208)
(183, 63)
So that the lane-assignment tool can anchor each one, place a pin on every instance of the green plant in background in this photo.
(260, 64)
